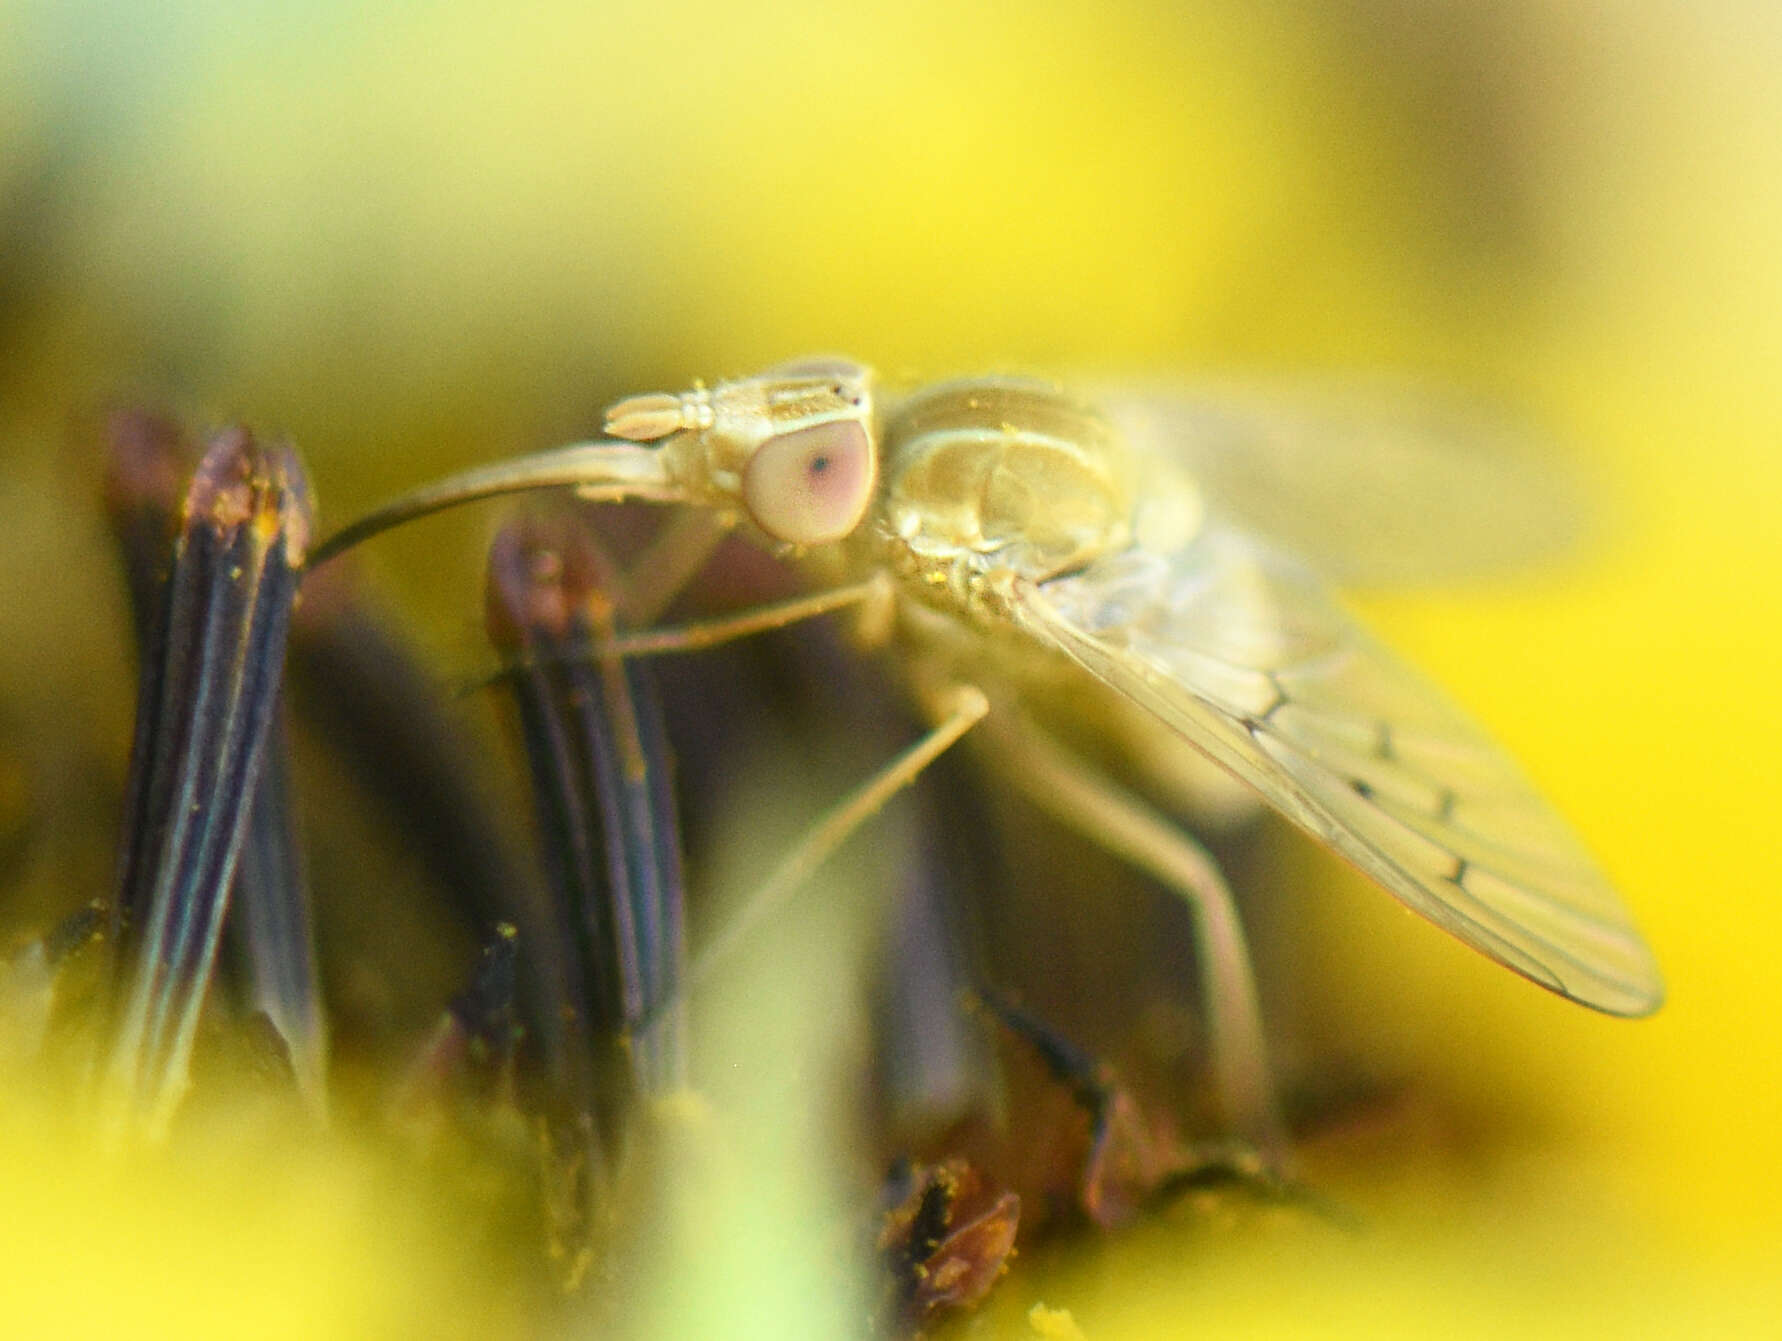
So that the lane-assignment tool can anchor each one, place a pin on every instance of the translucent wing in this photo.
(1373, 485)
(1245, 654)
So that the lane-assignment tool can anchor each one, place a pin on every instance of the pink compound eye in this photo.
(811, 485)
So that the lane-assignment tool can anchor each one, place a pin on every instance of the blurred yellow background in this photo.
(422, 235)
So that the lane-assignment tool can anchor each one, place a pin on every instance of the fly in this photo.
(1045, 565)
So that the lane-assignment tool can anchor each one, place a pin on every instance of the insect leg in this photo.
(671, 560)
(697, 635)
(701, 634)
(963, 709)
(1069, 789)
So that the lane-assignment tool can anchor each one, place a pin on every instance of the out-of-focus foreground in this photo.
(416, 237)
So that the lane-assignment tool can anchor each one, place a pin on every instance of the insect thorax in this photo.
(996, 479)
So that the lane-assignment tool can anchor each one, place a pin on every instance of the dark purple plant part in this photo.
(1134, 1158)
(361, 686)
(945, 1239)
(608, 828)
(270, 932)
(935, 1065)
(207, 700)
(32, 981)
(149, 460)
(476, 1041)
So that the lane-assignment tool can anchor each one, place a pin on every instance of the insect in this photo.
(1055, 572)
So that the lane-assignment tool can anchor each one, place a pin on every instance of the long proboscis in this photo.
(599, 471)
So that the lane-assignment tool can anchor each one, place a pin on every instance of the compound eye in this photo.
(811, 485)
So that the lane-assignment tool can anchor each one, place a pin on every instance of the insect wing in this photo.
(1373, 485)
(1246, 654)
